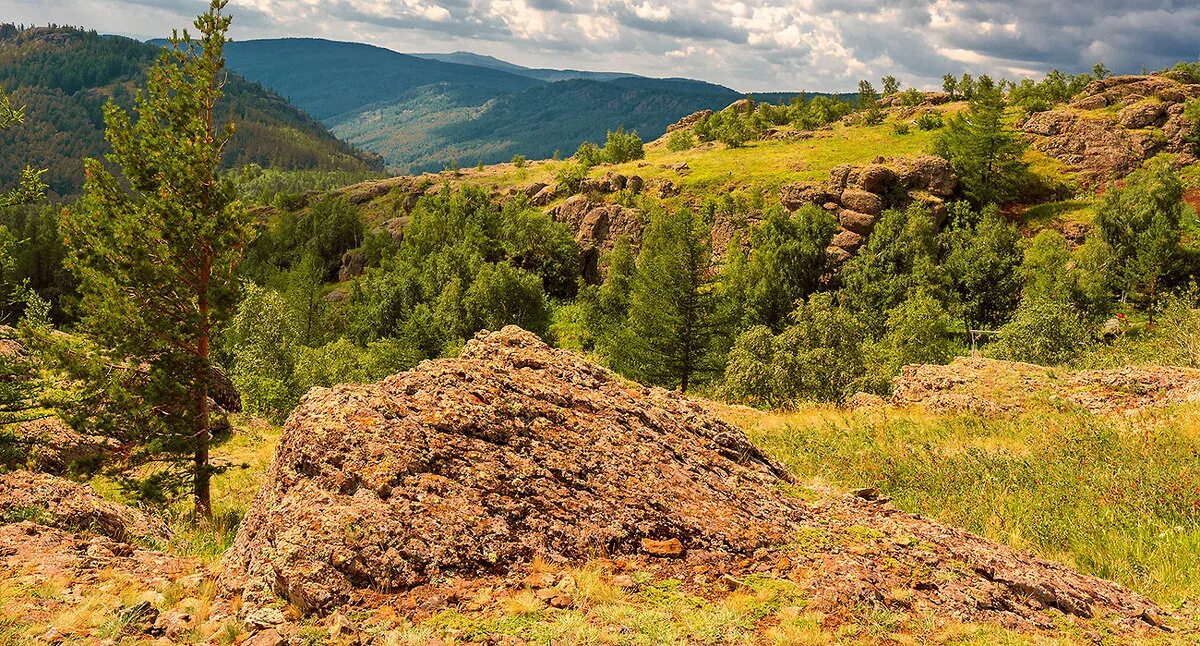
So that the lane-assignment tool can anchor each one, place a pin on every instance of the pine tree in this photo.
(154, 251)
(987, 156)
(30, 187)
(675, 313)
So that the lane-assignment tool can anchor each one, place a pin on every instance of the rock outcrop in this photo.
(597, 227)
(474, 467)
(56, 502)
(858, 195)
(468, 465)
(981, 385)
(1102, 146)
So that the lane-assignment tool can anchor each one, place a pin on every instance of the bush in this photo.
(912, 97)
(1180, 325)
(589, 155)
(918, 331)
(517, 160)
(930, 120)
(901, 128)
(571, 175)
(681, 140)
(819, 358)
(1045, 331)
(621, 146)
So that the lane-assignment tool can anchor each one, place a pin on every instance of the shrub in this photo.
(912, 97)
(930, 120)
(589, 154)
(571, 175)
(1045, 331)
(901, 128)
(622, 146)
(681, 140)
(517, 160)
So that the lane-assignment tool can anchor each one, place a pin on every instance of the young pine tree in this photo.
(154, 251)
(674, 313)
(986, 154)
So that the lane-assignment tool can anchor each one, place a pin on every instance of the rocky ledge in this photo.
(472, 468)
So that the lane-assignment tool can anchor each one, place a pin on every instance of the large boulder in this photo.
(927, 173)
(862, 201)
(466, 466)
(873, 178)
(57, 502)
(1142, 114)
(469, 469)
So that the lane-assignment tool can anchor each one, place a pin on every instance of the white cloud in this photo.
(758, 45)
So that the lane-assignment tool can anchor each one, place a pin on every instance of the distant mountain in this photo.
(330, 79)
(425, 113)
(544, 74)
(64, 76)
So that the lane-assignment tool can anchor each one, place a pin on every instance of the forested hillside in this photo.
(64, 76)
(423, 114)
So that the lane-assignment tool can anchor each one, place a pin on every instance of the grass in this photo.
(1057, 214)
(1117, 498)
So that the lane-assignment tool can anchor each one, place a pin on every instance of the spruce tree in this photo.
(675, 313)
(30, 187)
(154, 250)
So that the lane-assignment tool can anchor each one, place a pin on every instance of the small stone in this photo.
(263, 618)
(269, 637)
(666, 548)
(562, 601)
(623, 581)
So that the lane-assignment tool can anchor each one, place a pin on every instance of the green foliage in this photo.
(930, 120)
(900, 129)
(1191, 112)
(950, 85)
(912, 97)
(30, 186)
(890, 85)
(570, 176)
(517, 160)
(985, 153)
(981, 258)
(502, 294)
(918, 331)
(819, 357)
(154, 251)
(326, 230)
(900, 256)
(1142, 224)
(681, 140)
(606, 306)
(1045, 331)
(1053, 89)
(784, 266)
(1180, 324)
(674, 304)
(64, 76)
(621, 146)
(589, 155)
(1051, 270)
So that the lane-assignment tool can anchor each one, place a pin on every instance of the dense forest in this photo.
(64, 76)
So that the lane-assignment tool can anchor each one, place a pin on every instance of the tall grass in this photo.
(1117, 498)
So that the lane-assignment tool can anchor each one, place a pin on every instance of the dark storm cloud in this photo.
(750, 45)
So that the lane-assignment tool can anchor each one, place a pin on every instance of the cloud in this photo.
(746, 44)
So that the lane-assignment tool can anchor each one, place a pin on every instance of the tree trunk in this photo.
(201, 474)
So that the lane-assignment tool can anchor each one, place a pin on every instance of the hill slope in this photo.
(541, 73)
(423, 114)
(65, 76)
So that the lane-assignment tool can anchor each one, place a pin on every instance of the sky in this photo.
(784, 45)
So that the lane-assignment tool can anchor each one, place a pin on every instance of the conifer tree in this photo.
(30, 187)
(987, 155)
(154, 251)
(674, 313)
